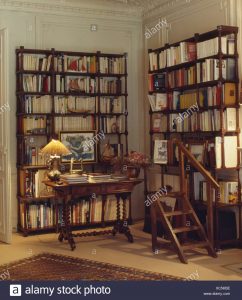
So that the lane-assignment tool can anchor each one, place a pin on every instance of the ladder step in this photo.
(195, 244)
(185, 229)
(178, 213)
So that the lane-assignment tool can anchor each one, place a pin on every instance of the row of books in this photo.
(209, 70)
(36, 83)
(74, 123)
(112, 65)
(33, 125)
(212, 96)
(63, 105)
(208, 153)
(31, 184)
(85, 64)
(65, 63)
(75, 84)
(33, 157)
(110, 86)
(186, 51)
(112, 124)
(202, 72)
(190, 51)
(36, 62)
(37, 215)
(181, 77)
(211, 47)
(82, 212)
(191, 121)
(37, 104)
(68, 104)
(204, 97)
(111, 105)
(228, 192)
(30, 150)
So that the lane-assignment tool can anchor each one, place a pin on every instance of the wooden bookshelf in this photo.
(43, 77)
(161, 66)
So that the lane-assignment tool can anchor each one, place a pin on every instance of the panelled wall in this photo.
(63, 28)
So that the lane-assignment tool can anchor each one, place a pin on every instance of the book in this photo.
(152, 101)
(230, 119)
(229, 93)
(230, 151)
(160, 152)
(159, 81)
(113, 65)
(160, 101)
(156, 124)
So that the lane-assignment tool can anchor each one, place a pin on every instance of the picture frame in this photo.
(82, 145)
(198, 151)
(160, 152)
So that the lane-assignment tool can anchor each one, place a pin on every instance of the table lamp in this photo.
(55, 149)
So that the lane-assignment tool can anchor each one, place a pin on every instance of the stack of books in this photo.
(99, 177)
(74, 178)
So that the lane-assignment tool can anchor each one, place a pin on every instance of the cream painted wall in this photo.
(72, 32)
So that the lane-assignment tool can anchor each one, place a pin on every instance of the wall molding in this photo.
(74, 9)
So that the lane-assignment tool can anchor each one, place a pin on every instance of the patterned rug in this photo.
(48, 266)
(235, 267)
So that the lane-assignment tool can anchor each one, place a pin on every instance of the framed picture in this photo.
(198, 151)
(82, 145)
(160, 152)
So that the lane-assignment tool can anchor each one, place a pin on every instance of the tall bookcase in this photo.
(202, 72)
(65, 91)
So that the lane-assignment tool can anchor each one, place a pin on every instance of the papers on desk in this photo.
(74, 178)
(92, 178)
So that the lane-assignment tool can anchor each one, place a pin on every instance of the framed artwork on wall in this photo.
(82, 145)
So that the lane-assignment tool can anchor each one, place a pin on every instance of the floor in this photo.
(139, 255)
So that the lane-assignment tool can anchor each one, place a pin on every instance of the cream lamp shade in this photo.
(55, 148)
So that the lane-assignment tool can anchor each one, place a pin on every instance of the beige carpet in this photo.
(116, 250)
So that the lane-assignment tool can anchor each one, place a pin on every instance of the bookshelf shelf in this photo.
(64, 91)
(177, 111)
(192, 63)
(201, 70)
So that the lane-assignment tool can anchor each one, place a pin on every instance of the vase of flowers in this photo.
(133, 162)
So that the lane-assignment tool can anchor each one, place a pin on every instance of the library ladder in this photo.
(185, 217)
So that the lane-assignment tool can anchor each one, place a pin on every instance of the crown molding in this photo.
(174, 7)
(74, 8)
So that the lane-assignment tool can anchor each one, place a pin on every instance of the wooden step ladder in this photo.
(185, 214)
(158, 213)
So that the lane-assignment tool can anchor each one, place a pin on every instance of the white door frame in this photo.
(5, 164)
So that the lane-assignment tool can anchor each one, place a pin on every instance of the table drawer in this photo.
(86, 190)
(116, 188)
